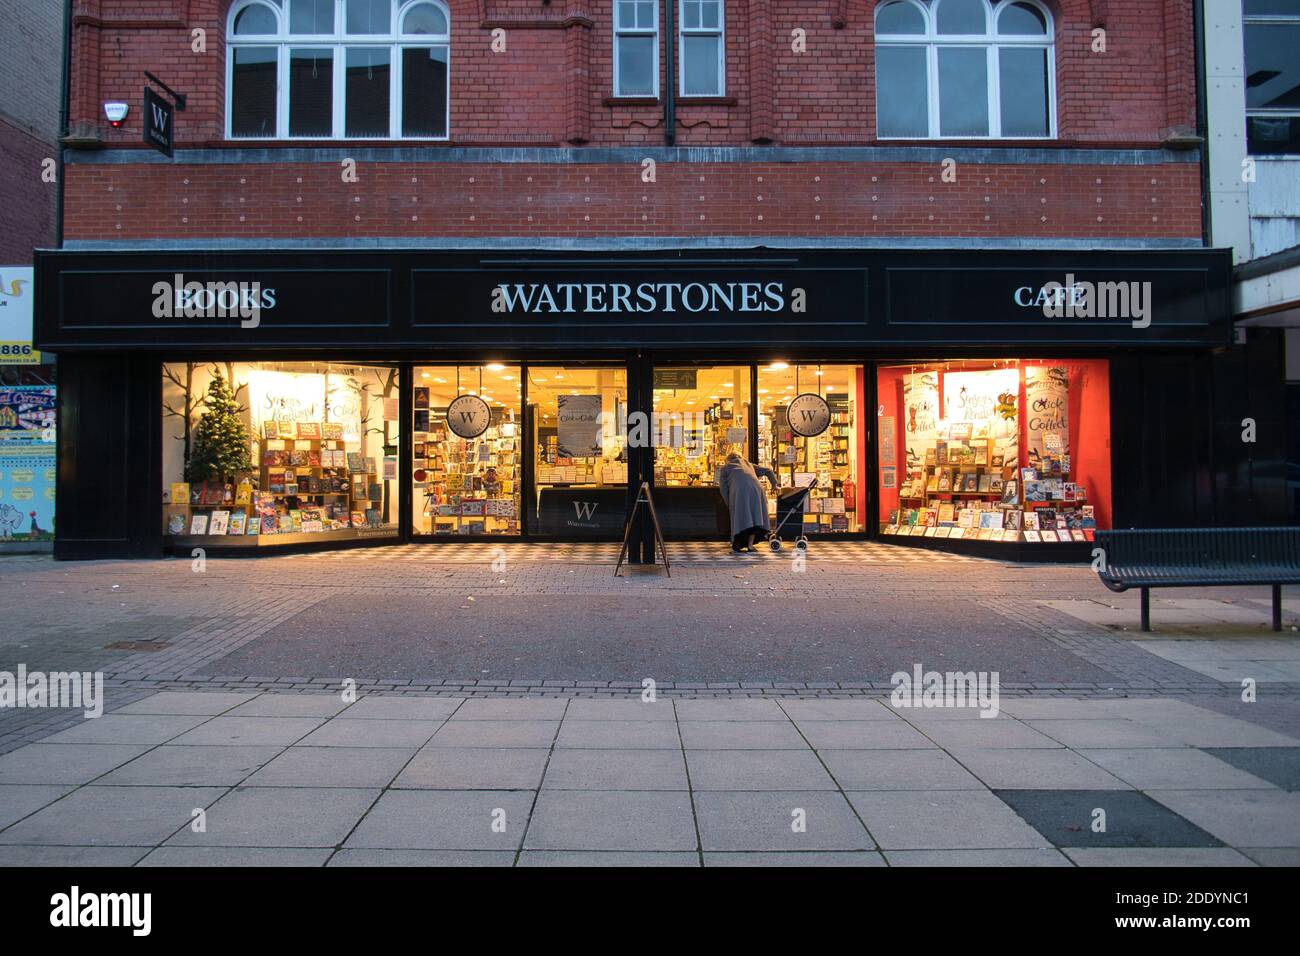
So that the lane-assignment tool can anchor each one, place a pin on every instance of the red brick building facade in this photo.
(799, 84)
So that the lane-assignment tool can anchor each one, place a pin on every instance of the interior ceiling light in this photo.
(496, 367)
(777, 367)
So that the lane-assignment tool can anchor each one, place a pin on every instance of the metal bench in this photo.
(1191, 557)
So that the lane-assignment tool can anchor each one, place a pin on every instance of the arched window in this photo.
(338, 69)
(965, 69)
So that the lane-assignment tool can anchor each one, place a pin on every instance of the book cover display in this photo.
(313, 438)
(965, 463)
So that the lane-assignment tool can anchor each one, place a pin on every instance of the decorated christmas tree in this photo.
(220, 446)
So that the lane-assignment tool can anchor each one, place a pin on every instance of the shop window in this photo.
(579, 418)
(636, 48)
(370, 69)
(829, 461)
(466, 438)
(279, 452)
(967, 69)
(1010, 450)
(703, 48)
(1272, 36)
(700, 415)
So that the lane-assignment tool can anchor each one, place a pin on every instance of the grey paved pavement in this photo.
(194, 778)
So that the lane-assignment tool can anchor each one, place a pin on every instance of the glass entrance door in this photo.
(577, 417)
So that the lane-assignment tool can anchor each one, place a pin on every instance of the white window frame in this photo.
(931, 41)
(338, 42)
(720, 31)
(621, 31)
(1264, 20)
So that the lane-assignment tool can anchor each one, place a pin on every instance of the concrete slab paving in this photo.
(1116, 733)
(848, 858)
(864, 735)
(281, 817)
(943, 820)
(611, 820)
(422, 858)
(1280, 766)
(291, 705)
(65, 763)
(344, 731)
(128, 729)
(757, 770)
(250, 731)
(574, 858)
(496, 733)
(587, 708)
(931, 769)
(979, 858)
(615, 770)
(373, 706)
(618, 735)
(1158, 856)
(797, 820)
(194, 703)
(473, 768)
(1073, 818)
(200, 856)
(78, 856)
(445, 820)
(18, 800)
(113, 816)
(1182, 768)
(305, 766)
(1240, 817)
(741, 735)
(180, 765)
(1036, 769)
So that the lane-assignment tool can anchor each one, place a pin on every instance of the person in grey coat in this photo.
(737, 479)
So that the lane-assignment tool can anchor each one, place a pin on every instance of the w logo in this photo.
(585, 510)
(159, 117)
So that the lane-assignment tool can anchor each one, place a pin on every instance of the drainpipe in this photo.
(1202, 120)
(64, 93)
(670, 69)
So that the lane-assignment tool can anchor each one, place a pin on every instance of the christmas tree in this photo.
(220, 448)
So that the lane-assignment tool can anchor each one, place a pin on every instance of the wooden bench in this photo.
(1200, 557)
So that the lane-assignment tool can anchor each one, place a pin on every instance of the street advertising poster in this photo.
(1047, 404)
(16, 317)
(578, 426)
(27, 480)
(27, 414)
(921, 411)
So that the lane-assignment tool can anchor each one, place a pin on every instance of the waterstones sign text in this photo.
(693, 297)
(179, 299)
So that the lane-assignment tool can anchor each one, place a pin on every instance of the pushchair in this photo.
(789, 502)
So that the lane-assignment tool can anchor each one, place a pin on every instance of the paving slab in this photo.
(943, 820)
(422, 858)
(403, 708)
(767, 821)
(618, 735)
(1116, 733)
(250, 731)
(1181, 768)
(794, 858)
(751, 709)
(1280, 766)
(1002, 732)
(1240, 817)
(1273, 856)
(18, 800)
(801, 709)
(496, 733)
(615, 770)
(588, 708)
(291, 705)
(757, 770)
(113, 816)
(305, 766)
(65, 763)
(1036, 769)
(194, 703)
(178, 765)
(863, 735)
(127, 729)
(608, 858)
(979, 858)
(375, 732)
(1132, 819)
(281, 817)
(196, 856)
(931, 769)
(611, 820)
(519, 708)
(741, 735)
(1158, 856)
(445, 820)
(473, 768)
(1219, 731)
(78, 856)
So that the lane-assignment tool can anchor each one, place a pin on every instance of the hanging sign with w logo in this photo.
(159, 122)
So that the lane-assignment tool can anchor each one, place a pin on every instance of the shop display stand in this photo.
(455, 502)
